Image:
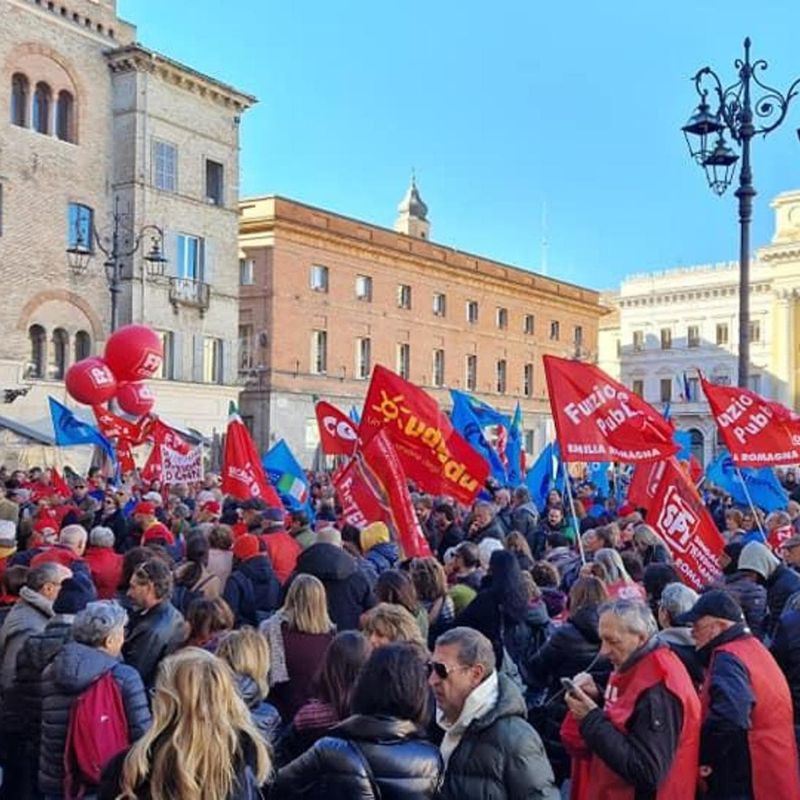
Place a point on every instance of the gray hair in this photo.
(486, 505)
(635, 616)
(612, 561)
(73, 536)
(522, 495)
(100, 536)
(49, 572)
(473, 647)
(677, 599)
(100, 618)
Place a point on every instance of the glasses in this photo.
(442, 671)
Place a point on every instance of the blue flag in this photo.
(514, 450)
(288, 477)
(70, 431)
(540, 477)
(355, 415)
(598, 475)
(762, 484)
(684, 440)
(468, 418)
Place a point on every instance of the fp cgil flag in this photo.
(757, 432)
(432, 454)
(337, 433)
(598, 419)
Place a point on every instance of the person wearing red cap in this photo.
(209, 511)
(144, 514)
(252, 590)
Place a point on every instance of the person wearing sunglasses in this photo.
(483, 716)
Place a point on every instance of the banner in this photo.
(676, 512)
(113, 426)
(177, 467)
(337, 433)
(163, 436)
(762, 485)
(468, 417)
(598, 419)
(756, 431)
(432, 454)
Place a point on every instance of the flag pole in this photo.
(568, 487)
(750, 503)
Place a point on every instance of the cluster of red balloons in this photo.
(133, 353)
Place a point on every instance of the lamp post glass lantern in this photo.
(736, 113)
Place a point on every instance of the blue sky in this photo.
(501, 109)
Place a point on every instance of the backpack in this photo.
(182, 595)
(97, 731)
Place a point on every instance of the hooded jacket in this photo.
(780, 581)
(29, 615)
(252, 590)
(72, 671)
(383, 556)
(348, 590)
(752, 597)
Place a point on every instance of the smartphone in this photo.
(569, 685)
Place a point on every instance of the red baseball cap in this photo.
(144, 507)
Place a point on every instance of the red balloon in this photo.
(135, 398)
(134, 352)
(90, 381)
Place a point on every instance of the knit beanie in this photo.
(246, 546)
(74, 594)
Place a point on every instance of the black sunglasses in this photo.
(442, 671)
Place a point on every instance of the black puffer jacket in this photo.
(72, 671)
(752, 597)
(152, 635)
(500, 756)
(781, 585)
(252, 591)
(349, 593)
(403, 765)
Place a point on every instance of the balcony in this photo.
(189, 292)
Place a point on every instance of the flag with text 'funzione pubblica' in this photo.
(757, 432)
(599, 419)
(431, 452)
(338, 434)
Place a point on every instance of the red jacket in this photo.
(57, 553)
(283, 551)
(106, 568)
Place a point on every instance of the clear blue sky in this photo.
(500, 108)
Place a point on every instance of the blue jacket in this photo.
(252, 591)
(383, 556)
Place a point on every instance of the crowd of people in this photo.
(171, 642)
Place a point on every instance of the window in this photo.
(403, 296)
(754, 383)
(65, 117)
(666, 339)
(364, 288)
(245, 347)
(363, 357)
(60, 351)
(638, 387)
(319, 352)
(472, 311)
(722, 333)
(721, 379)
(471, 373)
(246, 271)
(693, 386)
(501, 376)
(638, 341)
(577, 336)
(555, 331)
(530, 442)
(404, 360)
(212, 360)
(502, 318)
(38, 340)
(666, 390)
(83, 345)
(527, 380)
(754, 331)
(439, 304)
(693, 336)
(214, 183)
(167, 370)
(319, 278)
(20, 89)
(528, 325)
(189, 262)
(438, 367)
(165, 166)
(80, 227)
(41, 108)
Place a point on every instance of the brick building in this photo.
(91, 121)
(325, 297)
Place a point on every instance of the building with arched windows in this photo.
(92, 122)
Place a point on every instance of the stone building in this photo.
(325, 297)
(92, 123)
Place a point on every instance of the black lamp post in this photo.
(116, 248)
(737, 114)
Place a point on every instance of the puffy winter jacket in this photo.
(152, 635)
(781, 585)
(72, 671)
(252, 591)
(264, 714)
(401, 763)
(29, 615)
(786, 650)
(383, 556)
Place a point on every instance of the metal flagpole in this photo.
(575, 524)
(750, 502)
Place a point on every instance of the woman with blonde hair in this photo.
(618, 581)
(298, 635)
(388, 622)
(202, 742)
(650, 546)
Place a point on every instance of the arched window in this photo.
(38, 339)
(41, 108)
(20, 90)
(83, 345)
(65, 113)
(60, 351)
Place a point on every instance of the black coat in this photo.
(119, 524)
(402, 764)
(151, 636)
(69, 675)
(452, 537)
(752, 597)
(500, 756)
(349, 592)
(252, 591)
(525, 519)
(786, 651)
(781, 585)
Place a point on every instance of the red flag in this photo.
(125, 456)
(361, 503)
(242, 474)
(598, 419)
(676, 512)
(337, 433)
(165, 436)
(756, 431)
(113, 426)
(58, 484)
(432, 454)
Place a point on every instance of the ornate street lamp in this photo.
(742, 118)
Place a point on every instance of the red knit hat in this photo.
(246, 546)
(158, 531)
(144, 507)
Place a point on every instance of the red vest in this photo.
(660, 666)
(771, 741)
